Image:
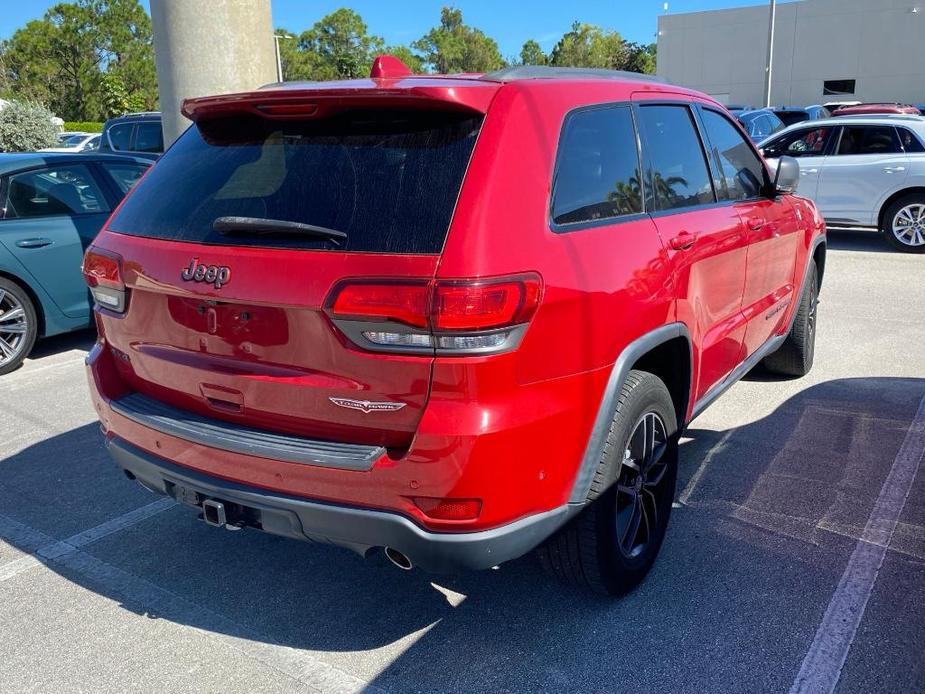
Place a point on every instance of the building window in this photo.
(837, 87)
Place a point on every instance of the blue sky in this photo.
(509, 23)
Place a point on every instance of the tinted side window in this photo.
(909, 141)
(741, 173)
(149, 138)
(123, 175)
(802, 143)
(868, 139)
(597, 171)
(119, 136)
(679, 171)
(68, 190)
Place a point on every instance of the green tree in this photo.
(126, 40)
(532, 54)
(339, 47)
(639, 58)
(59, 60)
(455, 47)
(587, 45)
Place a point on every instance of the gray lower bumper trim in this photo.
(355, 528)
(216, 433)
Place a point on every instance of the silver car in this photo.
(862, 172)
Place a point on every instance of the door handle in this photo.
(803, 172)
(683, 241)
(38, 242)
(893, 169)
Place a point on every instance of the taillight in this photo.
(103, 274)
(477, 316)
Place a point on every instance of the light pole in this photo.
(767, 76)
(279, 60)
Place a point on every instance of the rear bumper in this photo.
(354, 528)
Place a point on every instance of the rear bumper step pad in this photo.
(227, 436)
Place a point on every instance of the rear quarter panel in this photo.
(603, 287)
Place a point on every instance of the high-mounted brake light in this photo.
(103, 273)
(467, 316)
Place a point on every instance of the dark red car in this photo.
(455, 317)
(873, 109)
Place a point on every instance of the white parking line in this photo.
(55, 549)
(826, 657)
(148, 598)
(707, 459)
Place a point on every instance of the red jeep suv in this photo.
(451, 317)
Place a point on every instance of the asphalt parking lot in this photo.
(795, 559)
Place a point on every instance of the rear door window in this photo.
(679, 174)
(120, 136)
(868, 139)
(149, 138)
(388, 179)
(909, 141)
(61, 190)
(597, 167)
(739, 173)
(123, 176)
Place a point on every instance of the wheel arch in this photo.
(33, 297)
(819, 258)
(665, 352)
(893, 198)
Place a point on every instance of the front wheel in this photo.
(904, 223)
(18, 326)
(612, 544)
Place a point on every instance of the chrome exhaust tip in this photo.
(399, 559)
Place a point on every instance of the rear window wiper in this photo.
(259, 225)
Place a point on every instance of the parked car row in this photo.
(862, 172)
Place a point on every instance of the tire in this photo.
(795, 356)
(903, 224)
(18, 325)
(591, 551)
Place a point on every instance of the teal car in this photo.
(51, 207)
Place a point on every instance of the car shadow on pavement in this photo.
(80, 340)
(771, 512)
(860, 240)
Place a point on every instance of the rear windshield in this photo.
(388, 179)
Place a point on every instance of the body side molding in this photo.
(767, 348)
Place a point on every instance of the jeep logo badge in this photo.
(216, 275)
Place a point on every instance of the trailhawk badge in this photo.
(367, 406)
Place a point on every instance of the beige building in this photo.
(824, 50)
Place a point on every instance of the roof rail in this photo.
(140, 113)
(534, 72)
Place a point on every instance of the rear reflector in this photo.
(449, 509)
(103, 273)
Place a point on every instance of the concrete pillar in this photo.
(209, 47)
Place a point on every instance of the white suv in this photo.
(862, 171)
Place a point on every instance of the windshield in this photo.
(388, 179)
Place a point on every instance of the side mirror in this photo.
(787, 176)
